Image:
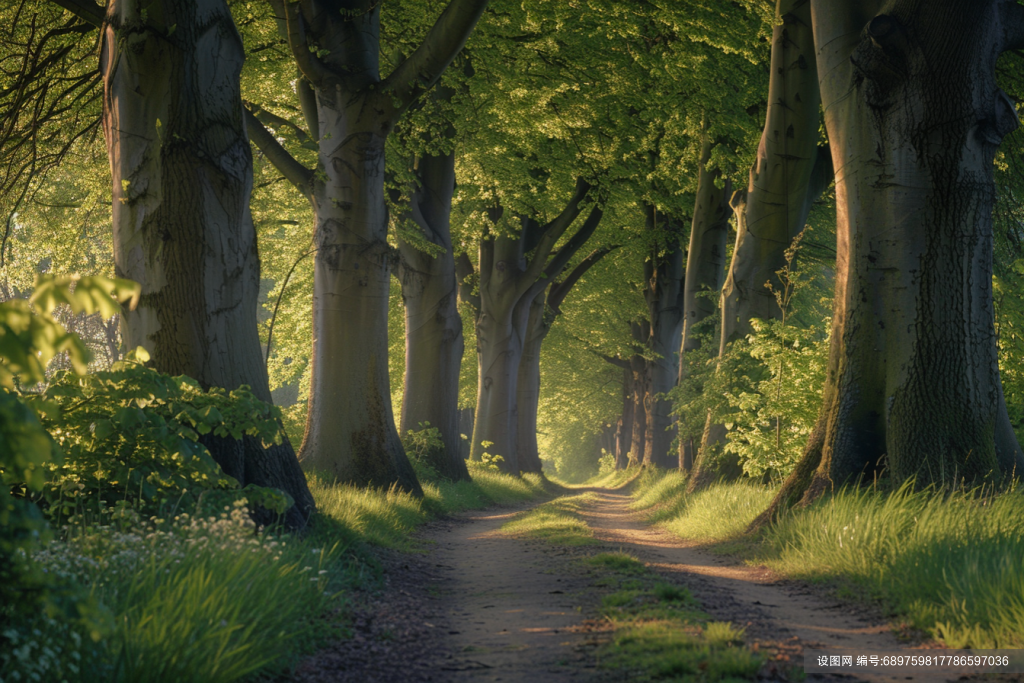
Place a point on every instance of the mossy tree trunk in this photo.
(182, 177)
(914, 118)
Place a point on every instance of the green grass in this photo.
(557, 521)
(387, 518)
(720, 512)
(660, 633)
(953, 564)
(950, 564)
(211, 600)
(616, 478)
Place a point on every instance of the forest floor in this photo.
(479, 603)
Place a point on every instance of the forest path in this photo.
(772, 610)
(481, 605)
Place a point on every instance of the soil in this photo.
(479, 605)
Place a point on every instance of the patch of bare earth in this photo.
(480, 605)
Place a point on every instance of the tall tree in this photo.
(775, 204)
(350, 428)
(705, 268)
(914, 118)
(182, 176)
(664, 275)
(544, 308)
(433, 328)
(515, 267)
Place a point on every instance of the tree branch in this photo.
(422, 69)
(269, 118)
(299, 176)
(558, 262)
(560, 290)
(550, 233)
(86, 10)
(309, 64)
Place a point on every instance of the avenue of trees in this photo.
(751, 238)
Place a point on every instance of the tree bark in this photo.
(528, 389)
(664, 276)
(350, 428)
(914, 118)
(641, 384)
(514, 272)
(182, 177)
(433, 326)
(774, 207)
(705, 269)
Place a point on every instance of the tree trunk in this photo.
(500, 338)
(624, 436)
(638, 367)
(182, 177)
(774, 207)
(350, 428)
(515, 271)
(433, 326)
(705, 269)
(914, 117)
(528, 389)
(664, 293)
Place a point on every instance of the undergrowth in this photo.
(949, 563)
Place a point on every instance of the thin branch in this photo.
(463, 272)
(273, 318)
(422, 69)
(569, 249)
(299, 176)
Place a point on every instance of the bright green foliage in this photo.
(29, 338)
(790, 395)
(420, 444)
(130, 436)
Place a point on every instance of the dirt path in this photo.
(480, 605)
(771, 610)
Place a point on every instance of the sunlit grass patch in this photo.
(668, 650)
(951, 562)
(557, 521)
(720, 512)
(194, 599)
(616, 478)
(617, 561)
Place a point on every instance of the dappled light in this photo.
(455, 341)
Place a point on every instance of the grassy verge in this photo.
(719, 513)
(948, 563)
(214, 600)
(658, 631)
(557, 521)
